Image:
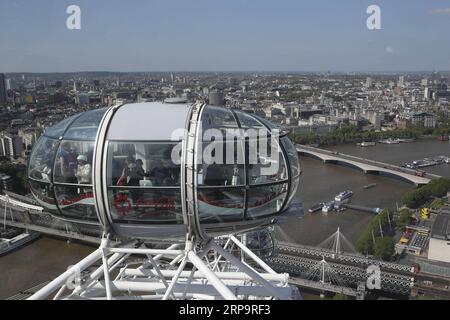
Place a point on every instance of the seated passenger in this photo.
(130, 174)
(84, 170)
(68, 162)
(46, 172)
(140, 168)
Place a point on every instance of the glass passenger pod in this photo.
(60, 167)
(143, 171)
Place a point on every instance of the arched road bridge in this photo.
(366, 165)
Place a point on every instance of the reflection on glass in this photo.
(74, 162)
(142, 164)
(292, 156)
(266, 162)
(44, 194)
(248, 122)
(76, 202)
(146, 205)
(220, 205)
(42, 158)
(58, 130)
(85, 127)
(294, 187)
(267, 123)
(222, 164)
(266, 200)
(218, 118)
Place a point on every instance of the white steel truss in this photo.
(223, 268)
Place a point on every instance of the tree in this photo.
(418, 197)
(404, 218)
(365, 242)
(340, 296)
(436, 204)
(384, 248)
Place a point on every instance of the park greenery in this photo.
(403, 219)
(384, 248)
(418, 197)
(436, 204)
(373, 241)
(353, 134)
(340, 296)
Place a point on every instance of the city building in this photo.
(3, 95)
(10, 145)
(216, 98)
(424, 119)
(439, 247)
(5, 182)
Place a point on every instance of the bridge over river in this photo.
(366, 165)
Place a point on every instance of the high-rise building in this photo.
(427, 93)
(2, 88)
(216, 98)
(10, 145)
(8, 84)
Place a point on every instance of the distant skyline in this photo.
(224, 35)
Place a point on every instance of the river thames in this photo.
(46, 257)
(321, 182)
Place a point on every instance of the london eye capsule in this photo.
(159, 171)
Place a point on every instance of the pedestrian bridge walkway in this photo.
(366, 165)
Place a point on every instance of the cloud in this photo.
(445, 11)
(389, 50)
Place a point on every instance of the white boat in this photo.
(343, 195)
(328, 207)
(367, 144)
(390, 141)
(8, 245)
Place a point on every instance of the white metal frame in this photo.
(223, 268)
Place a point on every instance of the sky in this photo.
(224, 35)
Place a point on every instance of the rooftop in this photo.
(441, 227)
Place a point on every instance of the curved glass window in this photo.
(218, 118)
(76, 202)
(222, 163)
(266, 200)
(143, 181)
(58, 129)
(43, 192)
(41, 161)
(248, 122)
(64, 168)
(73, 163)
(242, 172)
(294, 187)
(220, 204)
(266, 161)
(292, 156)
(142, 205)
(267, 123)
(294, 164)
(85, 126)
(140, 164)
